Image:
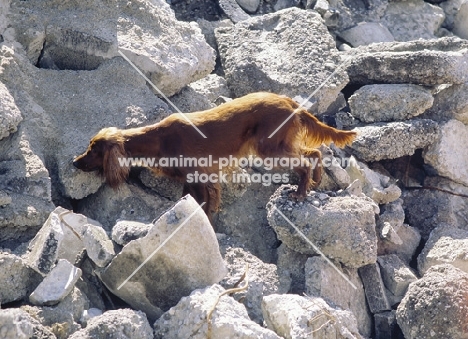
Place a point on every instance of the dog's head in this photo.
(103, 154)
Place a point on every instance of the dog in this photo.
(237, 128)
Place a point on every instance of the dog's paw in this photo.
(297, 196)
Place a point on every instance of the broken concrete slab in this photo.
(58, 283)
(179, 254)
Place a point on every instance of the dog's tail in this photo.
(316, 132)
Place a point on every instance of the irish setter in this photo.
(238, 128)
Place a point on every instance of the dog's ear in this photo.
(115, 171)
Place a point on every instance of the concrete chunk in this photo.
(395, 274)
(374, 288)
(57, 285)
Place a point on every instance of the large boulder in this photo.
(179, 254)
(436, 305)
(343, 227)
(394, 139)
(424, 62)
(188, 319)
(289, 52)
(80, 35)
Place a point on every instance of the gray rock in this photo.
(131, 203)
(125, 231)
(395, 274)
(389, 102)
(374, 288)
(233, 11)
(386, 325)
(413, 19)
(366, 33)
(250, 6)
(4, 7)
(59, 282)
(450, 102)
(189, 259)
(435, 205)
(376, 186)
(99, 247)
(89, 314)
(460, 26)
(443, 155)
(263, 280)
(435, 305)
(296, 317)
(18, 280)
(71, 42)
(423, 62)
(123, 323)
(188, 319)
(446, 245)
(410, 238)
(255, 57)
(323, 281)
(394, 139)
(11, 115)
(18, 324)
(59, 238)
(347, 237)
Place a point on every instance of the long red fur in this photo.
(237, 128)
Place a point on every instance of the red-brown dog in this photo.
(238, 128)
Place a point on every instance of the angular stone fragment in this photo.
(56, 285)
(179, 254)
(374, 288)
(395, 274)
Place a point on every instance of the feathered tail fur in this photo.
(317, 132)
